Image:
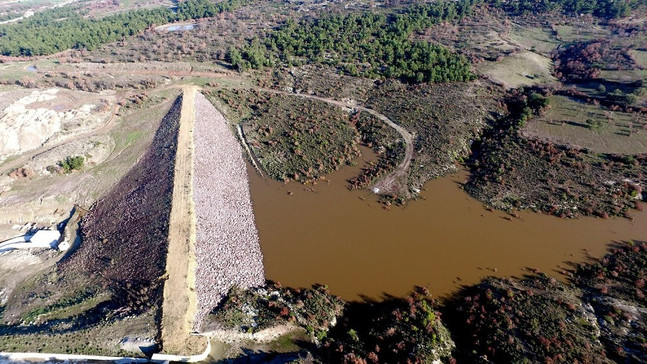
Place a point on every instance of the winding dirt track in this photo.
(180, 302)
(388, 184)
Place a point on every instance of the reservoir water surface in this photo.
(326, 234)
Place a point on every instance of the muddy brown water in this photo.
(330, 235)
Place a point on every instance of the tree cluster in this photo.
(607, 9)
(583, 61)
(63, 28)
(369, 45)
(72, 163)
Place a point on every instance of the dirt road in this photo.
(179, 306)
(388, 184)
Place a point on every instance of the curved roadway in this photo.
(387, 184)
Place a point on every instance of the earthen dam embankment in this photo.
(227, 246)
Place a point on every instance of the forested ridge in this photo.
(370, 45)
(601, 8)
(63, 28)
(378, 39)
(376, 44)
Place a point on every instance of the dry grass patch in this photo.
(101, 339)
(641, 57)
(624, 75)
(579, 32)
(592, 127)
(539, 39)
(520, 69)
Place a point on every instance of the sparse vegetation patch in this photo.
(510, 171)
(70, 163)
(256, 309)
(293, 138)
(63, 28)
(445, 119)
(533, 320)
(615, 287)
(396, 330)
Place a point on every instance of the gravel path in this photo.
(228, 251)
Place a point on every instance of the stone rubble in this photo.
(227, 246)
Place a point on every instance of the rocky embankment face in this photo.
(227, 247)
(125, 233)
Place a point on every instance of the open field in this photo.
(536, 38)
(568, 121)
(520, 69)
(641, 57)
(579, 32)
(624, 76)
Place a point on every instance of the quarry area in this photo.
(47, 117)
